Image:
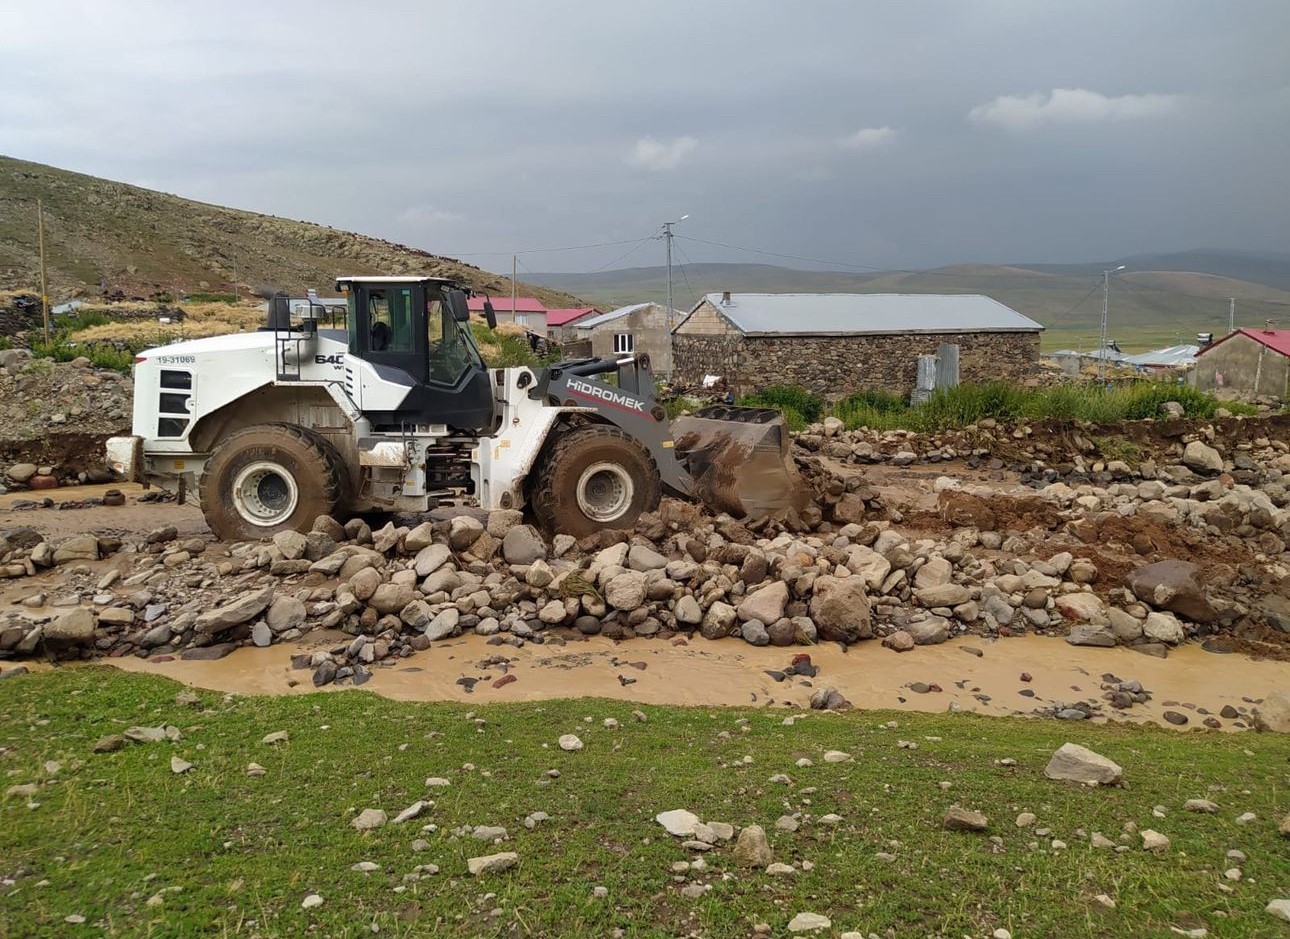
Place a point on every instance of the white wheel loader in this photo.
(397, 413)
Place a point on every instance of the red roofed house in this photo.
(560, 323)
(1247, 362)
(529, 312)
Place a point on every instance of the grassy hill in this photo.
(1156, 302)
(101, 234)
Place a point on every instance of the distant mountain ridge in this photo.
(104, 234)
(1158, 300)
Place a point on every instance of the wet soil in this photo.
(725, 672)
(71, 515)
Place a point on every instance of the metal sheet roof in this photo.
(1170, 357)
(847, 313)
(616, 314)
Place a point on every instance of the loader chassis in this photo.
(268, 430)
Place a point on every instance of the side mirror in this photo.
(457, 305)
(490, 315)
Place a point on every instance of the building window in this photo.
(624, 344)
(521, 319)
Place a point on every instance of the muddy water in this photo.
(55, 523)
(731, 673)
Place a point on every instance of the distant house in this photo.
(529, 312)
(560, 323)
(1247, 362)
(1170, 357)
(641, 327)
(837, 344)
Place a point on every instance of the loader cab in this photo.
(415, 333)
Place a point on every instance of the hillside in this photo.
(1150, 306)
(101, 234)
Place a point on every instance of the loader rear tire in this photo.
(594, 477)
(270, 478)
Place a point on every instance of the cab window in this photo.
(450, 354)
(389, 319)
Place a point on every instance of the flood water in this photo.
(727, 672)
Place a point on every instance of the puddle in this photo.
(727, 672)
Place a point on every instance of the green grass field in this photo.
(121, 840)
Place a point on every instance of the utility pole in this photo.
(1106, 297)
(1231, 314)
(667, 239)
(44, 281)
(513, 263)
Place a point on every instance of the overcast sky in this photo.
(903, 134)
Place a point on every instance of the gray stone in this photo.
(718, 622)
(766, 605)
(1175, 586)
(1273, 715)
(1163, 627)
(943, 595)
(688, 611)
(1081, 608)
(392, 598)
(1079, 764)
(244, 608)
(418, 538)
(522, 545)
(1125, 628)
(443, 625)
(369, 819)
(464, 531)
(755, 633)
(492, 863)
(74, 626)
(935, 573)
(839, 608)
(1091, 634)
(1202, 458)
(678, 822)
(430, 558)
(21, 472)
(752, 849)
(960, 819)
(626, 591)
(80, 548)
(285, 612)
(292, 544)
(641, 558)
(929, 632)
(261, 634)
(811, 922)
(868, 565)
(364, 582)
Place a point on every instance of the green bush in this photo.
(806, 407)
(229, 298)
(75, 322)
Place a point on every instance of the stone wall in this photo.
(648, 327)
(836, 366)
(1245, 367)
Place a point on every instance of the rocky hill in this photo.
(103, 236)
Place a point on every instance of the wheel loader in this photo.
(398, 412)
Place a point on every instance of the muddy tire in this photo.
(593, 477)
(270, 478)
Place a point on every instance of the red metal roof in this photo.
(502, 304)
(564, 317)
(1278, 340)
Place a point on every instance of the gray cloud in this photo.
(835, 130)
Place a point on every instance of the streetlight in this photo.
(667, 237)
(1106, 296)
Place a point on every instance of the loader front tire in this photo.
(270, 478)
(594, 477)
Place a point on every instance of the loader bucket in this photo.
(739, 461)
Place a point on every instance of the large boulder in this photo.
(766, 604)
(942, 595)
(392, 598)
(718, 622)
(840, 609)
(625, 591)
(929, 632)
(285, 613)
(1074, 763)
(74, 626)
(1082, 608)
(1202, 458)
(869, 565)
(80, 548)
(1091, 634)
(1272, 715)
(430, 558)
(1175, 586)
(244, 608)
(522, 545)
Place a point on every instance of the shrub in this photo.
(806, 407)
(229, 298)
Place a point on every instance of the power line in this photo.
(798, 257)
(684, 276)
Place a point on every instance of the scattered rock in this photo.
(1074, 763)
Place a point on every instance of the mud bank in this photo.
(1191, 681)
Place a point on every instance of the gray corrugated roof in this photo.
(1170, 356)
(843, 313)
(615, 314)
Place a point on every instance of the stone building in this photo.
(1246, 363)
(837, 344)
(641, 327)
